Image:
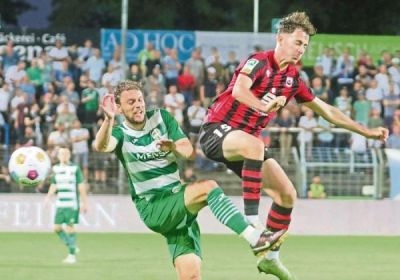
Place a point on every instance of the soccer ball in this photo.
(29, 166)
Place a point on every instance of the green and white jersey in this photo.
(66, 179)
(147, 167)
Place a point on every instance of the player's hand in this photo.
(166, 145)
(275, 104)
(109, 107)
(379, 133)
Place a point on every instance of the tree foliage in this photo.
(11, 9)
(329, 16)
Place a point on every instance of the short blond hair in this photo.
(123, 86)
(297, 20)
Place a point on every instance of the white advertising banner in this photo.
(112, 213)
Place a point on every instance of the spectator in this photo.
(186, 85)
(345, 68)
(285, 121)
(196, 67)
(145, 55)
(134, 74)
(196, 114)
(155, 82)
(375, 121)
(208, 90)
(86, 51)
(317, 189)
(172, 66)
(80, 147)
(361, 109)
(9, 57)
(56, 139)
(375, 96)
(230, 66)
(394, 138)
(307, 123)
(152, 61)
(59, 54)
(90, 101)
(95, 66)
(390, 102)
(327, 61)
(175, 103)
(154, 100)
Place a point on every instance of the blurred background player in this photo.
(148, 144)
(260, 86)
(67, 184)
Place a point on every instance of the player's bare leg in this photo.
(239, 145)
(188, 267)
(278, 186)
(208, 193)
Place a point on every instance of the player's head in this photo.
(293, 36)
(130, 101)
(63, 155)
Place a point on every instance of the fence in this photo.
(343, 171)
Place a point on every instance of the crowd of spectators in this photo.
(53, 100)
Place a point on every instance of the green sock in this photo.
(63, 236)
(72, 243)
(225, 211)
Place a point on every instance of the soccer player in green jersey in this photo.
(67, 183)
(148, 144)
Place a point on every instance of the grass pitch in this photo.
(37, 256)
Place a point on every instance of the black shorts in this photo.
(212, 136)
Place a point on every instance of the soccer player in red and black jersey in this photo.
(261, 85)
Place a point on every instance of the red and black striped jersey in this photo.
(267, 79)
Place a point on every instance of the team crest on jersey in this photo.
(268, 73)
(289, 82)
(156, 134)
(249, 66)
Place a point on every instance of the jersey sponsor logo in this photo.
(249, 66)
(150, 155)
(289, 82)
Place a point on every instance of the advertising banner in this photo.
(373, 45)
(29, 43)
(136, 40)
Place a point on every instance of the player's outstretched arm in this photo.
(104, 142)
(335, 116)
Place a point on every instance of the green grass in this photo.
(37, 256)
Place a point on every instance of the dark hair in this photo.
(123, 86)
(297, 20)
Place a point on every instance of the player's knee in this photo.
(288, 197)
(209, 185)
(189, 275)
(254, 149)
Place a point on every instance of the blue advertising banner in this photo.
(393, 156)
(136, 40)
